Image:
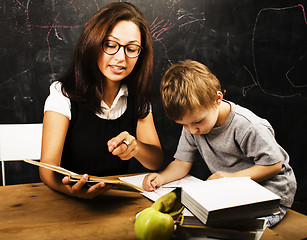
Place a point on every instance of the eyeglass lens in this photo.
(112, 47)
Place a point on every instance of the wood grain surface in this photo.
(36, 212)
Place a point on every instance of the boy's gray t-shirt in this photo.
(241, 142)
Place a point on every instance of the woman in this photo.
(94, 111)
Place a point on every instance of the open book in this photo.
(229, 199)
(74, 177)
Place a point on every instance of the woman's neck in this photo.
(110, 90)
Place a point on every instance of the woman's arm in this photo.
(146, 147)
(258, 173)
(149, 153)
(55, 126)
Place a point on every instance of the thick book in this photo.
(229, 199)
(247, 229)
(74, 177)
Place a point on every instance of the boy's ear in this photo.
(219, 97)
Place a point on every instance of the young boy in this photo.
(232, 140)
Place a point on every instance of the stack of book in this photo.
(228, 208)
(247, 229)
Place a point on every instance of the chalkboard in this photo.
(257, 48)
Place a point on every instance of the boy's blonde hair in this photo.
(187, 86)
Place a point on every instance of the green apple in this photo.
(152, 224)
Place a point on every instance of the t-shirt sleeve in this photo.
(186, 149)
(259, 144)
(57, 102)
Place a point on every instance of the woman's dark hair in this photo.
(83, 81)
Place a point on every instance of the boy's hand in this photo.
(220, 174)
(152, 181)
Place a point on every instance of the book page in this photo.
(238, 191)
(137, 180)
(184, 182)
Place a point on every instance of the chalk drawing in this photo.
(157, 28)
(255, 78)
(190, 17)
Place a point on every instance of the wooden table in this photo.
(34, 211)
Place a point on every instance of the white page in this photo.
(137, 180)
(184, 182)
(228, 192)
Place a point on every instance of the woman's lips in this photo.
(117, 69)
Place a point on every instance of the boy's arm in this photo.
(258, 173)
(177, 169)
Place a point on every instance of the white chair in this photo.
(19, 141)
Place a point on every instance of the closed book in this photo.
(229, 199)
(247, 229)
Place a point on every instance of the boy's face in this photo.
(200, 121)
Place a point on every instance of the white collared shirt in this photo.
(59, 103)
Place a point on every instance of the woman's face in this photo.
(118, 66)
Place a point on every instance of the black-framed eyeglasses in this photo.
(112, 47)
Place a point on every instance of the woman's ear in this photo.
(219, 97)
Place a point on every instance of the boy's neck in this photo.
(224, 111)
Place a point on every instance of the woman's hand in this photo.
(82, 191)
(123, 145)
(144, 147)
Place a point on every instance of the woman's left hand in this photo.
(80, 189)
(123, 145)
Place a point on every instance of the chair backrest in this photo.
(19, 141)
